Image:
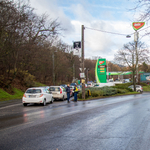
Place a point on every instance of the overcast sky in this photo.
(106, 15)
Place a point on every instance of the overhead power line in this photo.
(114, 32)
(108, 32)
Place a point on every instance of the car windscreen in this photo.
(33, 91)
(54, 88)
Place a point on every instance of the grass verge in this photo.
(146, 88)
(99, 97)
(4, 96)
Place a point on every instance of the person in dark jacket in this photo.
(68, 93)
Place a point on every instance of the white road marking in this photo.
(10, 106)
(17, 125)
(68, 113)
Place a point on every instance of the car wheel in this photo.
(44, 102)
(63, 98)
(24, 104)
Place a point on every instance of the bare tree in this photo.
(22, 34)
(143, 7)
(129, 57)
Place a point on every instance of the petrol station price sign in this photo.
(100, 71)
(138, 25)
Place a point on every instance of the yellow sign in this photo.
(102, 68)
(82, 81)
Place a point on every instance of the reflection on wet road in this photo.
(17, 114)
(115, 123)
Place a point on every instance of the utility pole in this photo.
(53, 69)
(136, 41)
(87, 77)
(73, 72)
(82, 58)
(136, 26)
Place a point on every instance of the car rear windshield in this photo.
(33, 91)
(54, 88)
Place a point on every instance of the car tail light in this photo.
(41, 95)
(60, 91)
(24, 95)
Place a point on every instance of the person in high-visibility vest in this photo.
(75, 93)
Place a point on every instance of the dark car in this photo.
(73, 84)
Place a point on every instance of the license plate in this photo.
(32, 96)
(54, 93)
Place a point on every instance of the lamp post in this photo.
(136, 52)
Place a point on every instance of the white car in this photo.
(40, 95)
(138, 88)
(110, 80)
(58, 92)
(89, 84)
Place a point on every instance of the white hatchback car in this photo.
(58, 92)
(138, 88)
(40, 95)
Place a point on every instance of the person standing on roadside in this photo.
(75, 93)
(68, 93)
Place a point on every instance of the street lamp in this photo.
(128, 36)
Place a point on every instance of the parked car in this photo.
(73, 84)
(138, 88)
(64, 85)
(126, 81)
(96, 85)
(110, 80)
(89, 84)
(40, 95)
(58, 92)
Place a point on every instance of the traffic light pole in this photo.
(82, 58)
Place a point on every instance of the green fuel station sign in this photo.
(100, 71)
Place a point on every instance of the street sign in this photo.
(137, 25)
(77, 45)
(82, 75)
(82, 81)
(77, 48)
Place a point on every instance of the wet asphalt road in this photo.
(116, 123)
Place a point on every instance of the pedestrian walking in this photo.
(75, 93)
(68, 93)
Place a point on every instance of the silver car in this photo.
(138, 88)
(58, 92)
(40, 95)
